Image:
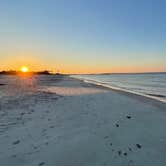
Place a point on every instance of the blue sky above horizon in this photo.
(83, 35)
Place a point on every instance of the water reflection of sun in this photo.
(24, 69)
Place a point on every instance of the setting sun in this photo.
(24, 69)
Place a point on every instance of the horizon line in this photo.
(103, 73)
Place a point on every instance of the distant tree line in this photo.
(12, 72)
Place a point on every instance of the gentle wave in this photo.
(144, 88)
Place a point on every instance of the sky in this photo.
(83, 36)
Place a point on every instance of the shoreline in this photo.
(142, 97)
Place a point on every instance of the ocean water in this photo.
(152, 85)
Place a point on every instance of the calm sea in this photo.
(152, 85)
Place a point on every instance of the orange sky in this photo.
(83, 37)
(76, 67)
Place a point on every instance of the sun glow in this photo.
(24, 69)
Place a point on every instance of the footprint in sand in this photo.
(138, 146)
(119, 152)
(16, 142)
(117, 125)
(130, 149)
(41, 164)
(128, 117)
(125, 153)
(106, 137)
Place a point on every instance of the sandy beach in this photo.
(61, 121)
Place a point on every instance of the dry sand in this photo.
(66, 122)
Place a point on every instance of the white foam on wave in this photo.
(93, 81)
